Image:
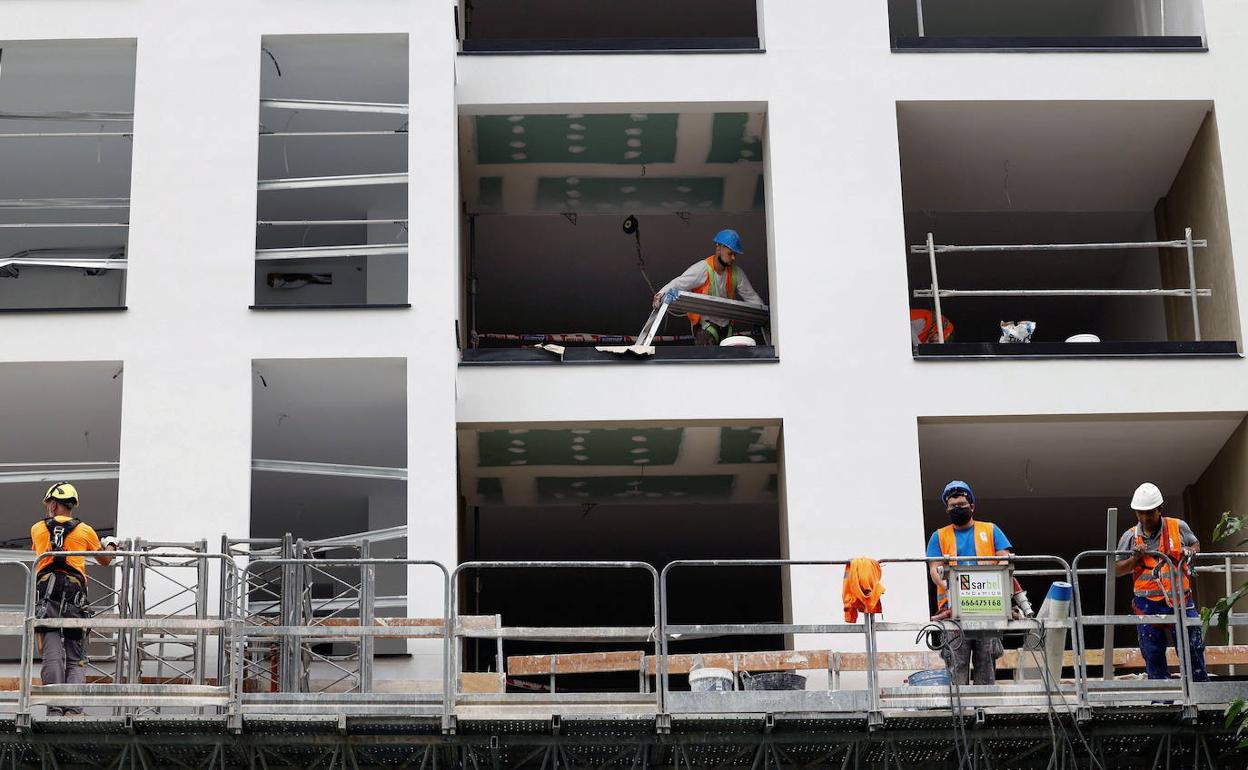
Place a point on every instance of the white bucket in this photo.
(738, 341)
(1084, 338)
(710, 680)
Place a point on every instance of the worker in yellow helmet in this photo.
(62, 587)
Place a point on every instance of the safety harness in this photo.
(60, 584)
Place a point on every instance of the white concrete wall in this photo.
(846, 388)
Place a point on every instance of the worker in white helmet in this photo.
(1157, 583)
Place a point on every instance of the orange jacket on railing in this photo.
(862, 589)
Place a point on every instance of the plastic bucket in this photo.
(930, 678)
(1083, 338)
(738, 341)
(710, 680)
(782, 680)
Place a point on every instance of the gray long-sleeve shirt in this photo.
(1152, 542)
(695, 276)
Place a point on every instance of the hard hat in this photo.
(63, 492)
(1147, 497)
(956, 487)
(729, 238)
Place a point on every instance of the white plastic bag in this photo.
(1017, 332)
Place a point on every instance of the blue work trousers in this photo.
(1155, 638)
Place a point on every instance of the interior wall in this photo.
(1197, 199)
(50, 287)
(542, 274)
(348, 282)
(1222, 487)
(1033, 18)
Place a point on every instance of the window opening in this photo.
(1038, 222)
(66, 123)
(951, 25)
(640, 25)
(594, 215)
(332, 190)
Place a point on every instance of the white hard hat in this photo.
(1147, 497)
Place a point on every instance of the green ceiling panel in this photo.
(634, 489)
(729, 143)
(589, 194)
(600, 446)
(490, 193)
(620, 139)
(490, 490)
(738, 446)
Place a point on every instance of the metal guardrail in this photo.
(238, 625)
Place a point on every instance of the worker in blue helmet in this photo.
(965, 536)
(718, 276)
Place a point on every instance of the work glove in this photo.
(110, 542)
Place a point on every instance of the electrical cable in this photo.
(951, 643)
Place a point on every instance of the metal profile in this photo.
(71, 116)
(290, 134)
(81, 264)
(315, 182)
(330, 469)
(1026, 247)
(59, 225)
(325, 222)
(23, 473)
(70, 135)
(1063, 293)
(65, 203)
(324, 252)
(327, 105)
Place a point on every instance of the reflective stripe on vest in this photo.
(1170, 543)
(985, 545)
(730, 285)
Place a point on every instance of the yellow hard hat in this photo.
(63, 492)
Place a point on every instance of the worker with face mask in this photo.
(717, 276)
(964, 536)
(61, 587)
(1155, 580)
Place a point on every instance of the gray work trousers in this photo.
(976, 650)
(64, 657)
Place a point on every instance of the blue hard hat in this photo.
(956, 486)
(729, 238)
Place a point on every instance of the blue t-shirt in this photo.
(965, 538)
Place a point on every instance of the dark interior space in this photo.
(1040, 24)
(561, 25)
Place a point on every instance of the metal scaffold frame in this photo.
(931, 249)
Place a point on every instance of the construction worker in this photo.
(964, 536)
(61, 590)
(718, 276)
(1154, 579)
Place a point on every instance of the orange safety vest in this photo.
(1152, 575)
(730, 283)
(985, 545)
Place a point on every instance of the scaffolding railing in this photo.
(264, 632)
(936, 293)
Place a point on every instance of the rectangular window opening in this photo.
(576, 220)
(332, 203)
(66, 140)
(1078, 213)
(549, 26)
(1047, 25)
(62, 424)
(329, 463)
(1059, 502)
(649, 492)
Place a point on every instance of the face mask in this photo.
(960, 516)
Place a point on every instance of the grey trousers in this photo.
(976, 651)
(64, 658)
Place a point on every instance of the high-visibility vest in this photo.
(985, 545)
(708, 287)
(1153, 576)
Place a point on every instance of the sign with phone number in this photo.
(981, 593)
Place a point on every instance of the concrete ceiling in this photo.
(1043, 156)
(347, 410)
(619, 464)
(1076, 457)
(649, 161)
